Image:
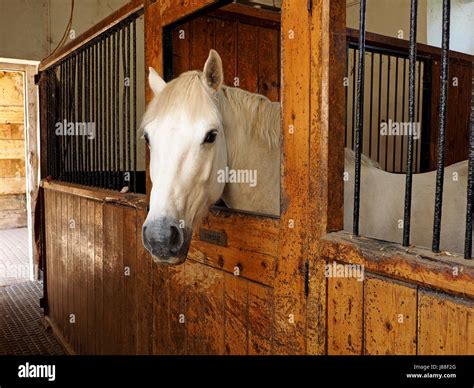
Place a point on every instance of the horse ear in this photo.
(213, 72)
(157, 83)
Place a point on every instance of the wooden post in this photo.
(313, 63)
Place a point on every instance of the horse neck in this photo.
(250, 121)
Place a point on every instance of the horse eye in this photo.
(210, 137)
(147, 139)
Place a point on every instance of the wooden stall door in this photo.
(220, 301)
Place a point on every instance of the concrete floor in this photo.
(22, 331)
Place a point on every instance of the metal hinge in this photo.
(306, 279)
(37, 78)
(310, 6)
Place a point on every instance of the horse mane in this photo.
(262, 114)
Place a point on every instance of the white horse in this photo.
(200, 131)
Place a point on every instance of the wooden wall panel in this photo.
(389, 317)
(130, 280)
(177, 313)
(99, 325)
(236, 317)
(345, 316)
(144, 288)
(446, 325)
(204, 309)
(250, 53)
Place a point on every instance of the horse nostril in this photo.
(176, 238)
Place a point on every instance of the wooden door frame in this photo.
(313, 47)
(29, 70)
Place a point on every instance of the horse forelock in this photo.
(186, 94)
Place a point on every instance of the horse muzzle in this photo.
(167, 242)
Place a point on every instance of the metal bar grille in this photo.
(359, 117)
(443, 114)
(97, 107)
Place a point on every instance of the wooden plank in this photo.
(109, 266)
(57, 256)
(269, 63)
(345, 316)
(226, 46)
(236, 318)
(75, 290)
(12, 131)
(12, 114)
(161, 309)
(12, 186)
(177, 314)
(328, 56)
(250, 15)
(181, 49)
(12, 168)
(48, 222)
(70, 272)
(445, 325)
(452, 274)
(290, 320)
(202, 40)
(204, 310)
(173, 11)
(126, 199)
(260, 315)
(390, 317)
(90, 278)
(247, 60)
(99, 277)
(64, 321)
(130, 280)
(82, 275)
(144, 288)
(12, 149)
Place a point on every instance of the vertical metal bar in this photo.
(129, 131)
(387, 113)
(88, 112)
(354, 86)
(134, 106)
(108, 155)
(371, 101)
(418, 110)
(348, 49)
(80, 118)
(74, 114)
(411, 118)
(470, 187)
(359, 116)
(101, 110)
(403, 109)
(395, 117)
(123, 153)
(94, 114)
(61, 118)
(443, 112)
(379, 107)
(117, 111)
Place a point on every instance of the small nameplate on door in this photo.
(213, 237)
